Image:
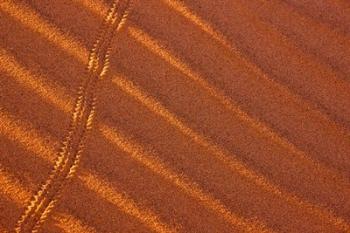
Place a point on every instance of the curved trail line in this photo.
(68, 158)
(103, 189)
(186, 185)
(18, 194)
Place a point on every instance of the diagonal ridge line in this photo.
(150, 160)
(277, 33)
(125, 203)
(32, 20)
(324, 25)
(11, 187)
(232, 49)
(104, 189)
(200, 195)
(228, 159)
(254, 122)
(68, 158)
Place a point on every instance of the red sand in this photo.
(213, 116)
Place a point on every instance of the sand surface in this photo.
(213, 116)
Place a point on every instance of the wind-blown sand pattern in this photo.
(174, 116)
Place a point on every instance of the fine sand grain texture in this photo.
(175, 116)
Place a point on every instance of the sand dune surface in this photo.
(175, 116)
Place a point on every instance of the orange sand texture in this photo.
(175, 116)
